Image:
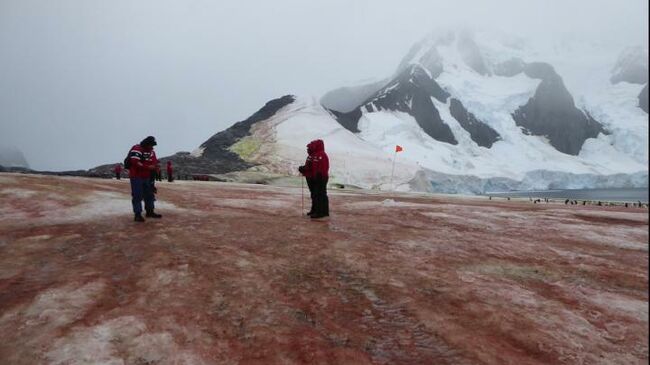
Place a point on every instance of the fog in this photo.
(81, 81)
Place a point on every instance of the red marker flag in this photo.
(398, 148)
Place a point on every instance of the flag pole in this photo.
(392, 172)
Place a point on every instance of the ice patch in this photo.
(253, 203)
(60, 306)
(122, 340)
(18, 193)
(633, 307)
(387, 203)
(101, 204)
(166, 277)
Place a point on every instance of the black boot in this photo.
(151, 214)
(138, 218)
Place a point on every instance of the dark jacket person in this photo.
(143, 163)
(170, 172)
(316, 171)
(118, 171)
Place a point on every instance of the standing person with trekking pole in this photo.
(316, 172)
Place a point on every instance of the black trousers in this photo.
(320, 201)
(310, 185)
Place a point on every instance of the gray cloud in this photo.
(83, 80)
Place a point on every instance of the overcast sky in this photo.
(81, 81)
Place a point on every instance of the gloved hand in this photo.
(301, 169)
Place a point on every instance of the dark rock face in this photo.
(551, 112)
(216, 158)
(216, 147)
(631, 66)
(413, 80)
(480, 132)
(410, 92)
(643, 98)
(350, 120)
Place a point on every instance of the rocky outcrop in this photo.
(216, 147)
(349, 120)
(631, 66)
(215, 156)
(552, 113)
(643, 98)
(410, 92)
(480, 132)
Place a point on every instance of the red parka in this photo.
(141, 160)
(317, 164)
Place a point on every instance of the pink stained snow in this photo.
(233, 274)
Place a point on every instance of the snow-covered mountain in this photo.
(474, 112)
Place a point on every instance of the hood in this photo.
(317, 146)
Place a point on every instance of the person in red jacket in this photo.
(118, 171)
(170, 172)
(316, 168)
(143, 164)
(158, 174)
